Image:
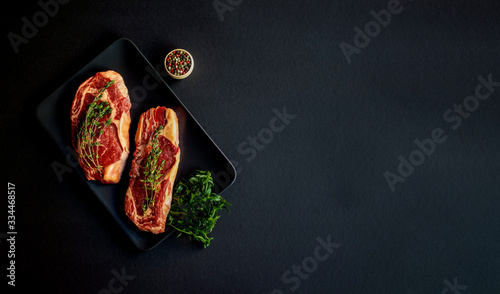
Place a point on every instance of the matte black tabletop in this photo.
(365, 137)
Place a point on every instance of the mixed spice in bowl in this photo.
(179, 63)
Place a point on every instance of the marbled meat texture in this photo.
(111, 152)
(154, 217)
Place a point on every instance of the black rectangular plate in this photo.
(146, 90)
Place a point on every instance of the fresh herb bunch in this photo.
(92, 129)
(194, 209)
(152, 170)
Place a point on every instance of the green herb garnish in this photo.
(194, 209)
(91, 129)
(152, 170)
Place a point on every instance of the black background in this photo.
(322, 176)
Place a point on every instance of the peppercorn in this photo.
(179, 63)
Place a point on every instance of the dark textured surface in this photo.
(318, 177)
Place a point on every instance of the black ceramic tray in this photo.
(146, 90)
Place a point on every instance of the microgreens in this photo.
(194, 209)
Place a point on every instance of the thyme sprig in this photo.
(152, 171)
(92, 129)
(194, 209)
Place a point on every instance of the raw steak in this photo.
(153, 171)
(101, 141)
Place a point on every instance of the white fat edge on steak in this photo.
(111, 172)
(169, 131)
